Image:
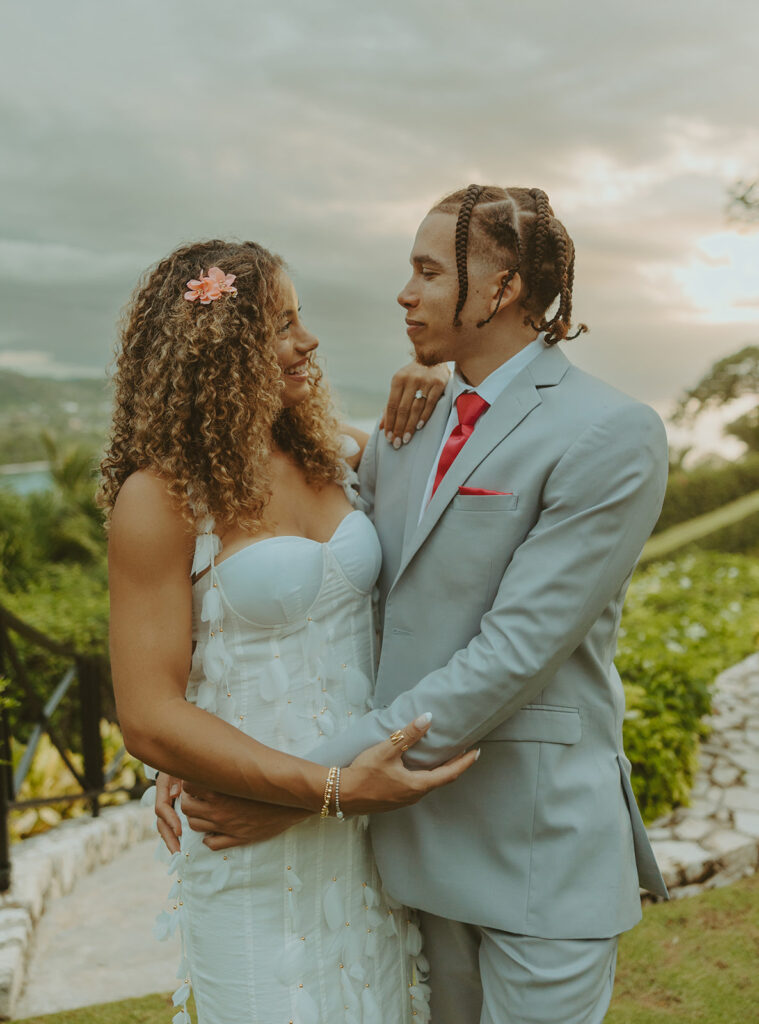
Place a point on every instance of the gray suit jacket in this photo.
(500, 616)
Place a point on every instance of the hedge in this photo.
(685, 621)
(693, 492)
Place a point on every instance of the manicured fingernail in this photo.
(423, 720)
(406, 438)
(420, 424)
(477, 755)
(389, 436)
(397, 443)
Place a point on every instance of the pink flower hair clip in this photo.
(210, 286)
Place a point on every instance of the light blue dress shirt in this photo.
(490, 389)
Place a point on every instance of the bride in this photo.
(241, 573)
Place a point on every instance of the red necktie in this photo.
(470, 406)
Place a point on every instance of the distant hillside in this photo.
(18, 390)
(74, 411)
(78, 411)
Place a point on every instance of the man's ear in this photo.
(506, 289)
(514, 288)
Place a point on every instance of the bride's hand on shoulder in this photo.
(377, 780)
(415, 390)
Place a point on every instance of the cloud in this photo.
(49, 263)
(326, 131)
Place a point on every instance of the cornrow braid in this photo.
(462, 246)
(559, 267)
(553, 327)
(581, 328)
(557, 327)
(540, 236)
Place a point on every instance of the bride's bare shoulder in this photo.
(146, 523)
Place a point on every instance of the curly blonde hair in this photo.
(198, 390)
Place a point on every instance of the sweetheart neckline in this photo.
(290, 536)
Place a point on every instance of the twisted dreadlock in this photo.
(516, 228)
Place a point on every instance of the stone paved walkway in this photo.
(95, 944)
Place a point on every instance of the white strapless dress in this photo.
(295, 930)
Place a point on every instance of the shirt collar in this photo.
(496, 383)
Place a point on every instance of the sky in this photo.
(326, 130)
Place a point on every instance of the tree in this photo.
(729, 378)
(743, 201)
(733, 377)
(65, 521)
(746, 429)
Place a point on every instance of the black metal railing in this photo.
(90, 674)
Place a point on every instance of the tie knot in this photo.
(470, 406)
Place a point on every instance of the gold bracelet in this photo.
(328, 787)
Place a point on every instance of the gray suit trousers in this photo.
(485, 976)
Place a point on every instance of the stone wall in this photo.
(715, 840)
(49, 865)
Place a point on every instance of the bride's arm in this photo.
(149, 564)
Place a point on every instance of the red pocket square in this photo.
(477, 490)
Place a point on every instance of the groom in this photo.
(510, 530)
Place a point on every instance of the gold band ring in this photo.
(397, 736)
(404, 748)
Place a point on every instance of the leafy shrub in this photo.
(741, 538)
(68, 603)
(692, 492)
(685, 621)
(19, 558)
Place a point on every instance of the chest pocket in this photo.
(485, 502)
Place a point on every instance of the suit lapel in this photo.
(426, 442)
(518, 399)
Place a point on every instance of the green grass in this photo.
(148, 1010)
(664, 544)
(692, 961)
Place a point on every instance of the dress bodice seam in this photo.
(261, 625)
(267, 540)
(287, 536)
(278, 626)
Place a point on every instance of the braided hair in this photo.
(517, 227)
(462, 246)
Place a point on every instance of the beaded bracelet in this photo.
(338, 812)
(328, 787)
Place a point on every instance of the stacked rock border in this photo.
(715, 840)
(49, 865)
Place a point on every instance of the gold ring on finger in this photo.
(419, 393)
(404, 747)
(397, 736)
